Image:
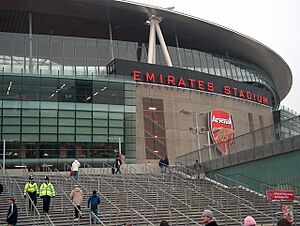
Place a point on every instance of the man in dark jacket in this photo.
(208, 219)
(12, 213)
(93, 202)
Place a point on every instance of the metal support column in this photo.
(152, 41)
(163, 45)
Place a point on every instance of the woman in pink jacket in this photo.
(76, 196)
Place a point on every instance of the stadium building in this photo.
(84, 78)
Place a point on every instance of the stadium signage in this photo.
(221, 129)
(280, 195)
(183, 78)
(171, 80)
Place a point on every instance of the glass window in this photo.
(115, 131)
(116, 115)
(66, 122)
(66, 138)
(48, 138)
(30, 129)
(116, 123)
(83, 138)
(11, 121)
(83, 114)
(30, 121)
(99, 122)
(100, 130)
(210, 64)
(83, 130)
(30, 137)
(216, 66)
(11, 129)
(48, 121)
(11, 112)
(204, 65)
(48, 129)
(66, 129)
(30, 113)
(69, 56)
(100, 138)
(49, 113)
(83, 122)
(66, 114)
(189, 59)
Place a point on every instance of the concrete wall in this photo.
(179, 139)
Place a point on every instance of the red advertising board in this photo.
(221, 129)
(281, 195)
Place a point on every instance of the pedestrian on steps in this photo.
(76, 196)
(31, 188)
(47, 192)
(12, 213)
(93, 203)
(75, 168)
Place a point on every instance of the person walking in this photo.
(118, 165)
(249, 221)
(166, 165)
(75, 168)
(76, 196)
(93, 203)
(31, 188)
(47, 192)
(12, 213)
(208, 219)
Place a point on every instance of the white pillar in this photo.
(3, 162)
(198, 137)
(208, 142)
(152, 41)
(163, 45)
(120, 146)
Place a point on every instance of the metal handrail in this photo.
(49, 219)
(97, 218)
(187, 182)
(219, 188)
(190, 219)
(144, 218)
(144, 200)
(102, 179)
(224, 214)
(172, 196)
(266, 215)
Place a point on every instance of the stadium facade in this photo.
(76, 81)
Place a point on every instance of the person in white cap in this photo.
(208, 219)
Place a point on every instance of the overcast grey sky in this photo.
(275, 23)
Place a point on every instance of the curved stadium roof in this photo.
(89, 18)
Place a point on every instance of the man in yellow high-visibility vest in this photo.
(31, 188)
(47, 192)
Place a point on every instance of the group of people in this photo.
(94, 201)
(45, 192)
(208, 219)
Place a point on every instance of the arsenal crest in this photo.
(221, 129)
